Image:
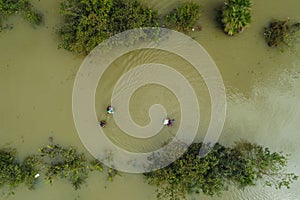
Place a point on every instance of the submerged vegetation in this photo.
(14, 173)
(65, 163)
(242, 165)
(236, 16)
(53, 161)
(10, 169)
(31, 166)
(282, 33)
(89, 22)
(184, 17)
(21, 7)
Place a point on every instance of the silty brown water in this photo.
(262, 87)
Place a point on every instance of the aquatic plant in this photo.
(282, 33)
(236, 16)
(184, 17)
(66, 163)
(89, 22)
(10, 169)
(96, 165)
(53, 161)
(21, 7)
(31, 167)
(112, 173)
(242, 165)
(14, 172)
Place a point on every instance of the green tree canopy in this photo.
(89, 22)
(241, 165)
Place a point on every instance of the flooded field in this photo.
(262, 87)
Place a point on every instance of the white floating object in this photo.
(166, 121)
(37, 175)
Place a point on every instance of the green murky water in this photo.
(263, 91)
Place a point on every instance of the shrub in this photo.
(184, 17)
(236, 16)
(242, 165)
(89, 22)
(14, 173)
(66, 163)
(282, 33)
(31, 167)
(10, 169)
(21, 7)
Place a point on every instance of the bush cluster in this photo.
(282, 33)
(14, 172)
(89, 22)
(241, 165)
(21, 7)
(236, 16)
(53, 161)
(184, 17)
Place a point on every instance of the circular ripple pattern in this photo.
(100, 59)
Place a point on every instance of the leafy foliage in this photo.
(65, 163)
(21, 7)
(282, 33)
(96, 165)
(236, 16)
(14, 173)
(112, 173)
(184, 17)
(31, 167)
(242, 165)
(53, 161)
(10, 169)
(256, 162)
(89, 22)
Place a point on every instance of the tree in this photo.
(89, 22)
(241, 165)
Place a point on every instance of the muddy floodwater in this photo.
(262, 88)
